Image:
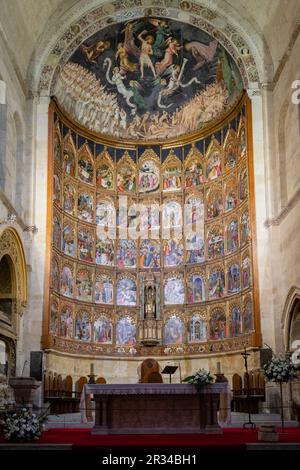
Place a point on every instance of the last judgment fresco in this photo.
(147, 79)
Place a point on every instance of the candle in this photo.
(92, 369)
(218, 367)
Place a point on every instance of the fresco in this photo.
(83, 327)
(104, 177)
(104, 252)
(69, 198)
(148, 177)
(235, 322)
(84, 285)
(85, 207)
(246, 273)
(215, 242)
(231, 155)
(174, 331)
(104, 290)
(102, 330)
(213, 165)
(233, 283)
(66, 323)
(85, 167)
(67, 282)
(68, 240)
(197, 330)
(195, 250)
(230, 195)
(173, 252)
(194, 172)
(214, 206)
(125, 331)
(149, 218)
(232, 236)
(216, 286)
(149, 254)
(126, 175)
(126, 291)
(217, 325)
(195, 289)
(126, 254)
(105, 214)
(85, 245)
(174, 291)
(69, 160)
(150, 78)
(172, 215)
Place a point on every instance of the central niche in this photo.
(151, 245)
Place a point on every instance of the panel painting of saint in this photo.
(102, 330)
(125, 332)
(174, 291)
(195, 289)
(66, 323)
(148, 177)
(126, 254)
(195, 250)
(126, 292)
(83, 327)
(173, 252)
(174, 331)
(85, 207)
(103, 290)
(149, 254)
(104, 253)
(216, 286)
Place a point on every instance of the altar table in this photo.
(155, 408)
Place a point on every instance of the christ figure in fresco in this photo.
(146, 52)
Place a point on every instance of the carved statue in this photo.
(150, 302)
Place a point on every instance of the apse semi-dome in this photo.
(148, 79)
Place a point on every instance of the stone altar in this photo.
(155, 408)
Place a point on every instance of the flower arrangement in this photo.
(280, 369)
(22, 425)
(200, 378)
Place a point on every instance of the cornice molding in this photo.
(275, 221)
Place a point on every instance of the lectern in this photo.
(170, 370)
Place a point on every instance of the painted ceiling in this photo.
(148, 79)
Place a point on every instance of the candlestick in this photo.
(218, 367)
(92, 369)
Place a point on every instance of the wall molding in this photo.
(275, 221)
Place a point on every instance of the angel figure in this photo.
(172, 49)
(92, 52)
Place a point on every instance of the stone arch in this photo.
(290, 310)
(71, 24)
(11, 247)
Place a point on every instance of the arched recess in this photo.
(13, 292)
(290, 321)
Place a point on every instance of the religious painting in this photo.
(214, 205)
(216, 284)
(104, 252)
(194, 169)
(149, 254)
(197, 330)
(148, 175)
(171, 173)
(248, 322)
(172, 219)
(152, 78)
(69, 200)
(173, 252)
(84, 285)
(66, 322)
(217, 324)
(194, 213)
(126, 175)
(104, 293)
(246, 272)
(230, 194)
(83, 326)
(213, 161)
(68, 240)
(174, 290)
(56, 231)
(215, 243)
(243, 184)
(85, 206)
(233, 282)
(126, 254)
(56, 188)
(104, 172)
(242, 136)
(125, 331)
(67, 281)
(195, 250)
(55, 276)
(69, 159)
(126, 291)
(105, 214)
(85, 244)
(195, 289)
(53, 323)
(149, 219)
(103, 330)
(57, 145)
(232, 236)
(231, 151)
(235, 321)
(85, 165)
(174, 330)
(245, 228)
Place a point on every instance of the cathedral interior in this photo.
(149, 188)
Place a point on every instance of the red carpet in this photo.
(230, 438)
